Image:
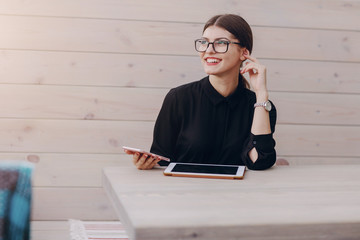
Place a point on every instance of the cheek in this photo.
(234, 60)
(201, 55)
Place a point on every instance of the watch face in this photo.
(268, 106)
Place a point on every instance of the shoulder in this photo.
(189, 87)
(186, 90)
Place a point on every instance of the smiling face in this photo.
(221, 64)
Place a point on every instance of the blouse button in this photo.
(254, 142)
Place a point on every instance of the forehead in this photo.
(214, 32)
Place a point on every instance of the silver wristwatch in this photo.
(266, 105)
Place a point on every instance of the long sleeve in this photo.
(264, 145)
(166, 128)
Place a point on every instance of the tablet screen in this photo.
(227, 170)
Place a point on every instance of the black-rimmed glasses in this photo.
(219, 46)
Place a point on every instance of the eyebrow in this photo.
(216, 38)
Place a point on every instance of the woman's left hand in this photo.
(257, 73)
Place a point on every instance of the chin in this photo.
(211, 72)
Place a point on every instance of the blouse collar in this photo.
(216, 98)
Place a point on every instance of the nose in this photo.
(210, 49)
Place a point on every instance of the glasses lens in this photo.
(221, 46)
(201, 45)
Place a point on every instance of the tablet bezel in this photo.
(240, 173)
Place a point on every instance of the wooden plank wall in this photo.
(81, 78)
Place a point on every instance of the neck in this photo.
(224, 85)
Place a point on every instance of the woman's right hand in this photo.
(143, 161)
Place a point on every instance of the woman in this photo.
(218, 120)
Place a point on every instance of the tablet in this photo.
(205, 170)
(148, 153)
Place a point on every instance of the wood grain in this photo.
(68, 170)
(84, 170)
(81, 78)
(313, 160)
(107, 137)
(98, 69)
(143, 104)
(71, 203)
(73, 136)
(74, 102)
(149, 71)
(331, 14)
(297, 201)
(54, 230)
(321, 140)
(119, 36)
(317, 109)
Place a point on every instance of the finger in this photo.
(251, 58)
(129, 152)
(147, 162)
(250, 66)
(245, 64)
(252, 72)
(151, 161)
(258, 67)
(154, 162)
(141, 161)
(136, 157)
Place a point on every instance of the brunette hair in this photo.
(238, 27)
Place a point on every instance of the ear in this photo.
(244, 51)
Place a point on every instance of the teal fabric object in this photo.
(15, 200)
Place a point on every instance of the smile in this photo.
(213, 60)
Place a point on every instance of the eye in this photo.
(203, 42)
(221, 42)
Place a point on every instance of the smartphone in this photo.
(205, 170)
(134, 150)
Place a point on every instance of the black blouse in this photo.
(196, 124)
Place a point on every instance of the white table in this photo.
(286, 202)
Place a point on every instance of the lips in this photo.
(212, 60)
